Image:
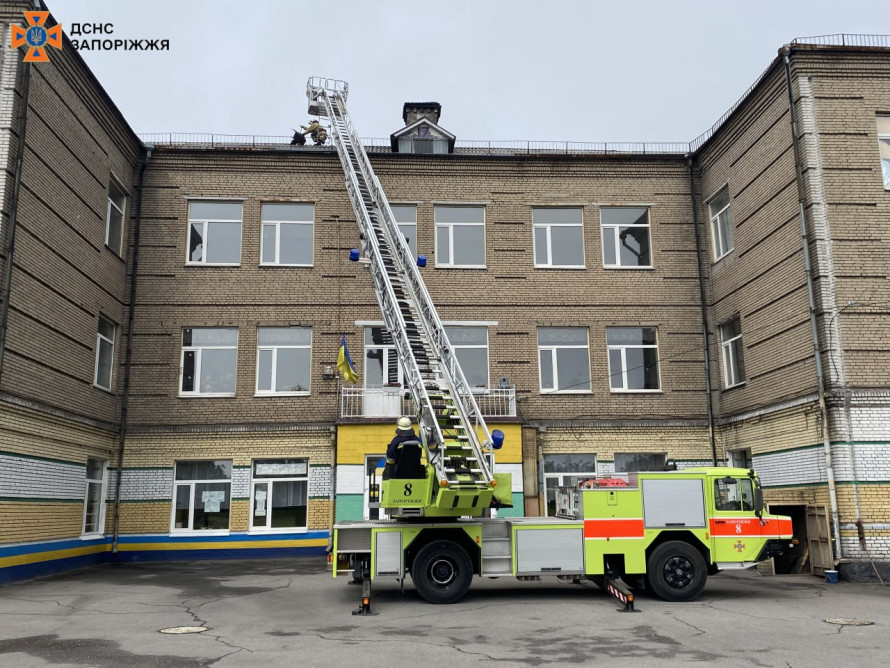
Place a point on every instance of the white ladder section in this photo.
(449, 417)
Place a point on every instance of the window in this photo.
(209, 360)
(471, 349)
(735, 494)
(202, 496)
(565, 471)
(94, 499)
(114, 220)
(104, 353)
(558, 237)
(741, 458)
(884, 145)
(279, 494)
(733, 353)
(214, 233)
(381, 362)
(406, 219)
(284, 356)
(626, 237)
(633, 359)
(721, 225)
(287, 234)
(628, 462)
(460, 236)
(564, 359)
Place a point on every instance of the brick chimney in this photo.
(413, 111)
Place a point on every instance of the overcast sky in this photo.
(575, 70)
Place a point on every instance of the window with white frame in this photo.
(209, 361)
(382, 367)
(566, 471)
(114, 220)
(721, 223)
(563, 359)
(94, 498)
(733, 352)
(284, 360)
(279, 494)
(214, 233)
(884, 146)
(629, 462)
(202, 493)
(633, 359)
(104, 353)
(288, 232)
(406, 219)
(471, 349)
(460, 236)
(626, 237)
(558, 237)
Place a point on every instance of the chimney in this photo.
(413, 111)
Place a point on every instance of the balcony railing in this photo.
(390, 402)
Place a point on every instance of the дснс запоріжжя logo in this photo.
(36, 37)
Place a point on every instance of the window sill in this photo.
(277, 530)
(281, 264)
(206, 396)
(648, 267)
(281, 394)
(569, 267)
(104, 389)
(544, 392)
(198, 532)
(212, 264)
(116, 253)
(613, 391)
(461, 266)
(724, 256)
(732, 387)
(92, 536)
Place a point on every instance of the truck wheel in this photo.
(677, 571)
(442, 572)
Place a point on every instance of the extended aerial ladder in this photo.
(455, 439)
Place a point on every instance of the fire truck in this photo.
(667, 530)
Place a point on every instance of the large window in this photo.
(381, 362)
(287, 234)
(279, 493)
(733, 353)
(471, 348)
(114, 221)
(884, 145)
(202, 496)
(406, 219)
(94, 498)
(460, 236)
(565, 471)
(564, 359)
(104, 354)
(633, 359)
(209, 361)
(558, 237)
(284, 356)
(214, 233)
(628, 462)
(625, 237)
(721, 224)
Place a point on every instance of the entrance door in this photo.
(373, 475)
(819, 539)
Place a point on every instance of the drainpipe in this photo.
(125, 396)
(13, 212)
(704, 313)
(814, 332)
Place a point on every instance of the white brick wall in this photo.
(23, 477)
(146, 484)
(320, 481)
(793, 467)
(8, 66)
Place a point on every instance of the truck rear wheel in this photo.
(676, 571)
(442, 572)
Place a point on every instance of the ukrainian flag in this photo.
(344, 362)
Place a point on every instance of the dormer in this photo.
(422, 133)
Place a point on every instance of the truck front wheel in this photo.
(676, 571)
(442, 572)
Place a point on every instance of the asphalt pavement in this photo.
(291, 612)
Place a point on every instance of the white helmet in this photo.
(404, 423)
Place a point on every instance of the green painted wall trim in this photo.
(349, 507)
(22, 455)
(321, 497)
(37, 499)
(319, 466)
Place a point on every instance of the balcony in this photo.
(390, 402)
